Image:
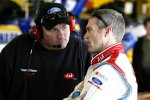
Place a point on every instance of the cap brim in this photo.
(50, 24)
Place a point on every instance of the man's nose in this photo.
(85, 37)
(61, 33)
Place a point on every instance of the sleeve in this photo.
(2, 79)
(5, 75)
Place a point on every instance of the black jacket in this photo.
(43, 74)
(143, 78)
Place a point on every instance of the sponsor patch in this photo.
(28, 72)
(69, 75)
(97, 81)
(53, 10)
(92, 83)
(101, 76)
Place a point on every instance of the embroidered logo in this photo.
(28, 72)
(92, 83)
(69, 75)
(100, 58)
(101, 76)
(96, 80)
(53, 10)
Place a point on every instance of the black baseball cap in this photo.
(51, 14)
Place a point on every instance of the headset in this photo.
(37, 33)
(72, 23)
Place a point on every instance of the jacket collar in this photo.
(106, 53)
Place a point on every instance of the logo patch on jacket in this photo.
(28, 72)
(69, 75)
(101, 76)
(97, 81)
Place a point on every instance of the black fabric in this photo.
(48, 83)
(143, 78)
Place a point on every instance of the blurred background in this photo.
(16, 16)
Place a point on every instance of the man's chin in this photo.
(63, 46)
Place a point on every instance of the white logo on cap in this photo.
(53, 10)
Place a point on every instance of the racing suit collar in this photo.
(106, 53)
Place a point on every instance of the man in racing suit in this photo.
(110, 76)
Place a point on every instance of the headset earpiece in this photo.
(72, 23)
(35, 32)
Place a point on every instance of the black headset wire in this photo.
(29, 62)
(28, 68)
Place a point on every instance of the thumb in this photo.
(82, 96)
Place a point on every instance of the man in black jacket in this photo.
(141, 59)
(43, 65)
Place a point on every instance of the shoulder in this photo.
(107, 70)
(20, 41)
(21, 38)
(108, 75)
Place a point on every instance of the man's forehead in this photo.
(91, 23)
(92, 27)
(93, 20)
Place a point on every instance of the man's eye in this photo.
(65, 26)
(53, 30)
(88, 30)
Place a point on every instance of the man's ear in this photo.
(108, 30)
